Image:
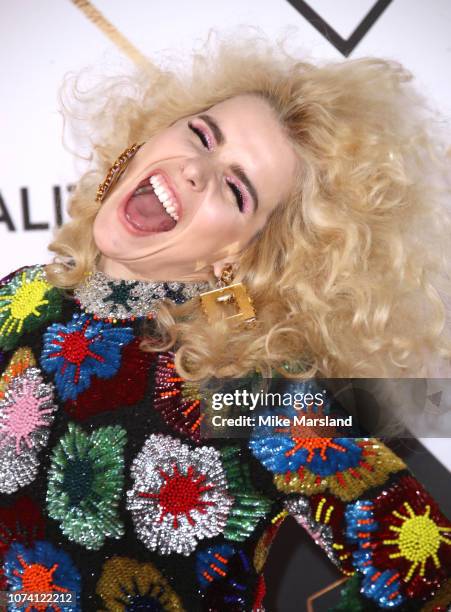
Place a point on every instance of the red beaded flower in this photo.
(402, 530)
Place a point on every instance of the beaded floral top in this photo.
(109, 493)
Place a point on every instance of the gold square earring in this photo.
(227, 293)
(116, 171)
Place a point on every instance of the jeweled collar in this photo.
(118, 300)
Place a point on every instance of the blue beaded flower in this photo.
(43, 569)
(80, 349)
(283, 450)
(302, 463)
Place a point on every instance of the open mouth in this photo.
(152, 207)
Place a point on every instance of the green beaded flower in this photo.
(85, 483)
(249, 505)
(26, 302)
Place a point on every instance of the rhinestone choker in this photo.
(119, 300)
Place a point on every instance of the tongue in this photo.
(145, 212)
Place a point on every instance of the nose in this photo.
(197, 172)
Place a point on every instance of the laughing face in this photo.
(196, 193)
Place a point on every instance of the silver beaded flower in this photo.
(179, 496)
(26, 413)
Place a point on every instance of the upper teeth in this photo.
(163, 195)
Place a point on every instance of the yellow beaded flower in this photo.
(26, 302)
(126, 584)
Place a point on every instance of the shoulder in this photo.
(26, 272)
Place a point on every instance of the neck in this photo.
(119, 271)
(118, 298)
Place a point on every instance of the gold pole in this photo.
(94, 15)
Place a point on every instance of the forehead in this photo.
(255, 138)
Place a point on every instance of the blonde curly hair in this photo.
(350, 275)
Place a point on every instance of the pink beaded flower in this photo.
(26, 413)
(179, 496)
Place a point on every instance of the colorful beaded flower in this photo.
(177, 400)
(249, 505)
(27, 301)
(404, 543)
(80, 349)
(322, 516)
(85, 483)
(179, 495)
(221, 572)
(21, 522)
(43, 569)
(344, 466)
(126, 585)
(26, 413)
(126, 388)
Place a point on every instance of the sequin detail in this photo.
(263, 545)
(223, 573)
(323, 517)
(20, 522)
(26, 413)
(26, 302)
(346, 467)
(249, 506)
(126, 388)
(22, 359)
(42, 569)
(179, 495)
(441, 601)
(212, 563)
(404, 543)
(127, 586)
(177, 400)
(112, 299)
(80, 349)
(85, 482)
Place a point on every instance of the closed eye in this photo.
(206, 142)
(238, 195)
(201, 135)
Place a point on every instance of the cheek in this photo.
(105, 230)
(218, 226)
(100, 232)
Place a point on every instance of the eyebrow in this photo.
(236, 168)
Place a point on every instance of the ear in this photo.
(221, 263)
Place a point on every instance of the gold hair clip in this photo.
(116, 171)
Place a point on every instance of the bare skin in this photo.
(217, 206)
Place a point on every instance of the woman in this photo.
(302, 189)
